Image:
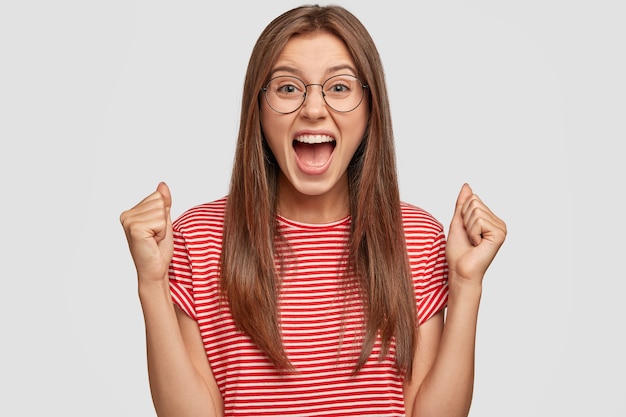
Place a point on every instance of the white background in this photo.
(100, 100)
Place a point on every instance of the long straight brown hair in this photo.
(377, 251)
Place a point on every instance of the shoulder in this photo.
(417, 220)
(208, 215)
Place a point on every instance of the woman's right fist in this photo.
(148, 228)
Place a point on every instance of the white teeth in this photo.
(311, 139)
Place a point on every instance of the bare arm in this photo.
(427, 346)
(181, 381)
(443, 380)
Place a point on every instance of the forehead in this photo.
(314, 55)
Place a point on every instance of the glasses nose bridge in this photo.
(306, 90)
(306, 93)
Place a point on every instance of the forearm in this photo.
(176, 386)
(448, 388)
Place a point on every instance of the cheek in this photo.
(272, 129)
(263, 118)
(358, 124)
(271, 126)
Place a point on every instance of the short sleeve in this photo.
(431, 285)
(426, 250)
(180, 276)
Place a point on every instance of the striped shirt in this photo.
(320, 317)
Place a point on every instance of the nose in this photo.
(314, 105)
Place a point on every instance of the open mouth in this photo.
(314, 150)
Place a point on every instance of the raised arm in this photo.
(443, 378)
(181, 381)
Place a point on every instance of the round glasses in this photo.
(285, 94)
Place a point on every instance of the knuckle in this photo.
(123, 216)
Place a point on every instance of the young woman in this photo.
(311, 289)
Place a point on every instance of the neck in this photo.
(313, 209)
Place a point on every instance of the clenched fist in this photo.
(148, 228)
(474, 238)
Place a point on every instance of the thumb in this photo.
(167, 196)
(164, 190)
(465, 193)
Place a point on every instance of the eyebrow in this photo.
(296, 71)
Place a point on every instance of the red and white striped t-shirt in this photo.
(321, 320)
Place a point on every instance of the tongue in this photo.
(314, 155)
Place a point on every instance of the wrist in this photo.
(464, 289)
(151, 288)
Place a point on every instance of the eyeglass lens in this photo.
(285, 94)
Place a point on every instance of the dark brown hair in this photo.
(377, 251)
